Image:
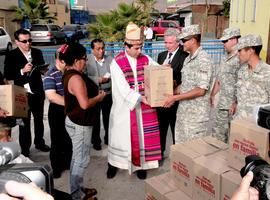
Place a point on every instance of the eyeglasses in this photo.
(25, 41)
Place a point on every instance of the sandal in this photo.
(89, 191)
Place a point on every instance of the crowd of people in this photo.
(80, 87)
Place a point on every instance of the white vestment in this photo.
(125, 100)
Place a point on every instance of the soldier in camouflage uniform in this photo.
(194, 92)
(225, 85)
(253, 82)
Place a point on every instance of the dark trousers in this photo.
(166, 118)
(61, 146)
(36, 107)
(105, 107)
(148, 46)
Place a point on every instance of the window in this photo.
(253, 19)
(237, 11)
(2, 32)
(172, 25)
(165, 24)
(232, 11)
(244, 10)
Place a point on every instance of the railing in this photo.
(213, 47)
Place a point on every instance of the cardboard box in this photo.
(177, 195)
(206, 145)
(14, 100)
(158, 186)
(182, 160)
(247, 138)
(158, 83)
(182, 167)
(215, 142)
(223, 154)
(207, 178)
(230, 181)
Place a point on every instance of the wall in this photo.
(215, 24)
(252, 19)
(62, 15)
(6, 16)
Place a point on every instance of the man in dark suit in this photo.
(175, 57)
(21, 68)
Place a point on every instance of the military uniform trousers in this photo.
(221, 125)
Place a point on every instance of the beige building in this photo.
(60, 9)
(6, 16)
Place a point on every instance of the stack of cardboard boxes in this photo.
(207, 169)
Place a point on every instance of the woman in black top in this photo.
(81, 96)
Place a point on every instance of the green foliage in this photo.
(110, 26)
(226, 4)
(36, 11)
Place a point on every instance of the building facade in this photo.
(6, 15)
(253, 17)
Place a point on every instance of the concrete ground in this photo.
(122, 187)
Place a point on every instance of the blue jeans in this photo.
(81, 140)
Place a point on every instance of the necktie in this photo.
(170, 60)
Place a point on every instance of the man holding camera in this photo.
(20, 68)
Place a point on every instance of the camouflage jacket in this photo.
(253, 88)
(227, 77)
(197, 72)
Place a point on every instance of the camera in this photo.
(40, 174)
(264, 117)
(261, 171)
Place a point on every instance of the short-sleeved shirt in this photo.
(197, 72)
(252, 88)
(227, 77)
(53, 81)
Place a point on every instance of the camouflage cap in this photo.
(249, 41)
(190, 30)
(229, 33)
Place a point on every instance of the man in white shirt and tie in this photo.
(174, 56)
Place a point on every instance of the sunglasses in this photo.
(25, 41)
(224, 41)
(185, 39)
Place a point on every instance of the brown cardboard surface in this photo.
(157, 186)
(230, 181)
(207, 178)
(215, 142)
(222, 154)
(247, 138)
(14, 100)
(177, 195)
(182, 167)
(201, 146)
(158, 83)
(182, 156)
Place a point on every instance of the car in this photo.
(47, 33)
(159, 27)
(5, 41)
(84, 29)
(73, 32)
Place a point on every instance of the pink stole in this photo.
(149, 116)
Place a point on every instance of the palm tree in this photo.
(36, 11)
(147, 7)
(110, 26)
